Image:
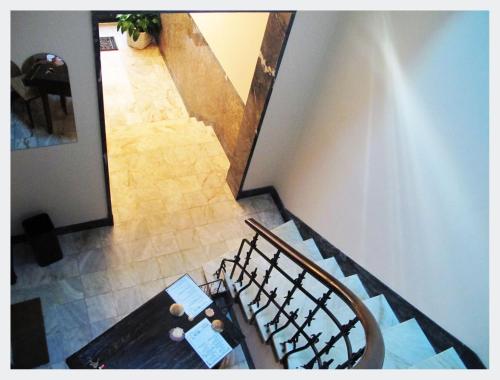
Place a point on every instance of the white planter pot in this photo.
(143, 41)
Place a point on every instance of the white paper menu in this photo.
(208, 343)
(186, 292)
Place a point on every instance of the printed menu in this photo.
(186, 292)
(208, 343)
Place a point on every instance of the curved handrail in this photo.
(373, 355)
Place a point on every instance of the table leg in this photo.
(62, 100)
(46, 110)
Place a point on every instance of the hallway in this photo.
(172, 208)
(167, 171)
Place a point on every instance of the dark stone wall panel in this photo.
(265, 72)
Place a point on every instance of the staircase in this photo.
(311, 314)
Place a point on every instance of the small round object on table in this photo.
(218, 325)
(176, 334)
(209, 312)
(176, 309)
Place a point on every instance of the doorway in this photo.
(165, 148)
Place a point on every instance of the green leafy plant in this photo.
(136, 23)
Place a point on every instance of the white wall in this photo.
(296, 78)
(67, 181)
(235, 39)
(391, 164)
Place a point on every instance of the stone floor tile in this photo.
(187, 239)
(127, 300)
(194, 258)
(165, 243)
(96, 283)
(122, 277)
(171, 264)
(91, 261)
(101, 307)
(138, 250)
(152, 288)
(98, 327)
(75, 339)
(146, 270)
(72, 315)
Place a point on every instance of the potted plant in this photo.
(140, 28)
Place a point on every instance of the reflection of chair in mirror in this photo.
(21, 91)
(41, 105)
(49, 74)
(31, 61)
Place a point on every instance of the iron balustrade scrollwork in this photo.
(299, 322)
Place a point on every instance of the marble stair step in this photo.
(447, 359)
(288, 232)
(381, 311)
(282, 285)
(322, 321)
(405, 345)
(276, 280)
(331, 266)
(312, 251)
(210, 267)
(355, 285)
(307, 247)
(230, 285)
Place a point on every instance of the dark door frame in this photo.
(109, 16)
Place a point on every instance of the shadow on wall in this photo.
(398, 130)
(204, 86)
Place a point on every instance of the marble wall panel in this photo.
(210, 96)
(265, 72)
(207, 92)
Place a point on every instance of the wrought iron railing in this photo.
(294, 298)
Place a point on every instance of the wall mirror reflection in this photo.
(41, 103)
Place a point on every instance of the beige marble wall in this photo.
(207, 92)
(209, 95)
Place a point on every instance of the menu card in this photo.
(208, 343)
(186, 292)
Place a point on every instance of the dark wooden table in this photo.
(49, 78)
(141, 340)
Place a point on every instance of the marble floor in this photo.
(137, 85)
(25, 136)
(173, 210)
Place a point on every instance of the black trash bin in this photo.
(43, 239)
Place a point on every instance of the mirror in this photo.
(41, 103)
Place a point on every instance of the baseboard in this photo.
(264, 190)
(71, 228)
(439, 338)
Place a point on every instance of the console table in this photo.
(50, 79)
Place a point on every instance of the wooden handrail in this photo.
(373, 355)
